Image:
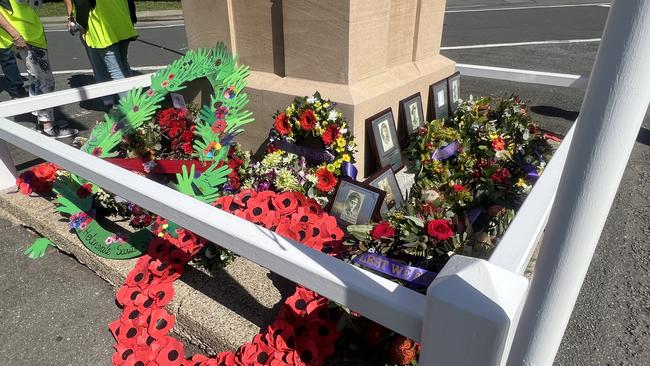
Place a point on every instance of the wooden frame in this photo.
(438, 100)
(364, 194)
(386, 176)
(453, 92)
(384, 142)
(406, 114)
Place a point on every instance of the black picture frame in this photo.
(438, 100)
(406, 108)
(453, 92)
(369, 203)
(384, 141)
(386, 181)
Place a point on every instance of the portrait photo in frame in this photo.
(355, 203)
(384, 141)
(412, 114)
(386, 181)
(453, 90)
(438, 100)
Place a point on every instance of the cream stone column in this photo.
(366, 55)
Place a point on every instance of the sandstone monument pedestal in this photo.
(365, 55)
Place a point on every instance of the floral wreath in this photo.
(215, 128)
(312, 128)
(305, 331)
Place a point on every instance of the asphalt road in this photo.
(611, 322)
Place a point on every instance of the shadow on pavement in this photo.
(554, 112)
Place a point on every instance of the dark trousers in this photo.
(15, 86)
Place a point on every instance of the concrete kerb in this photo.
(214, 313)
(144, 16)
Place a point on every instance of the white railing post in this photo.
(471, 314)
(8, 172)
(612, 112)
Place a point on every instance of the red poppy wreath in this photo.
(304, 331)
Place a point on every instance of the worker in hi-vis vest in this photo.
(107, 29)
(22, 32)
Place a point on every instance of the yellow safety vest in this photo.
(108, 23)
(26, 21)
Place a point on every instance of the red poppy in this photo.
(224, 203)
(280, 335)
(121, 354)
(286, 202)
(288, 231)
(223, 359)
(330, 134)
(161, 293)
(127, 295)
(46, 172)
(326, 180)
(299, 303)
(85, 190)
(173, 354)
(127, 333)
(161, 323)
(382, 230)
(159, 247)
(256, 210)
(307, 351)
(138, 358)
(138, 277)
(458, 187)
(312, 206)
(219, 126)
(439, 229)
(242, 198)
(23, 182)
(281, 124)
(256, 352)
(322, 332)
(308, 120)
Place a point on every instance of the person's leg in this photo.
(112, 60)
(99, 71)
(10, 68)
(124, 57)
(42, 82)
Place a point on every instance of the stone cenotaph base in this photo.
(365, 55)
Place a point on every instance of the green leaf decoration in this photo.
(68, 200)
(38, 249)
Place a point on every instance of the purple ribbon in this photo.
(473, 214)
(446, 152)
(349, 170)
(531, 172)
(310, 153)
(393, 268)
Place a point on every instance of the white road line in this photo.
(62, 29)
(494, 45)
(526, 8)
(90, 71)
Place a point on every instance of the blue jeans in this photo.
(110, 63)
(10, 68)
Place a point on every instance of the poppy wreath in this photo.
(313, 129)
(304, 332)
(212, 134)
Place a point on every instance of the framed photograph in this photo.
(383, 140)
(412, 113)
(438, 100)
(453, 90)
(386, 181)
(355, 203)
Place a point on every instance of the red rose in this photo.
(382, 230)
(46, 172)
(85, 190)
(500, 176)
(326, 180)
(498, 144)
(330, 134)
(439, 229)
(458, 187)
(308, 120)
(282, 124)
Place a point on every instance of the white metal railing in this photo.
(470, 315)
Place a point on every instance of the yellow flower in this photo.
(338, 163)
(340, 141)
(346, 157)
(521, 183)
(331, 167)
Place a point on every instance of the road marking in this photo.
(494, 45)
(527, 8)
(63, 29)
(90, 71)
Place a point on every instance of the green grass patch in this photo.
(54, 9)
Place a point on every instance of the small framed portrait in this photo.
(453, 89)
(438, 100)
(412, 113)
(355, 203)
(383, 139)
(386, 181)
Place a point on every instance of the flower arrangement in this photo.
(38, 179)
(312, 128)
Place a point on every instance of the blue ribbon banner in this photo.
(393, 268)
(349, 170)
(446, 152)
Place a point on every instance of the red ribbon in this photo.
(161, 166)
